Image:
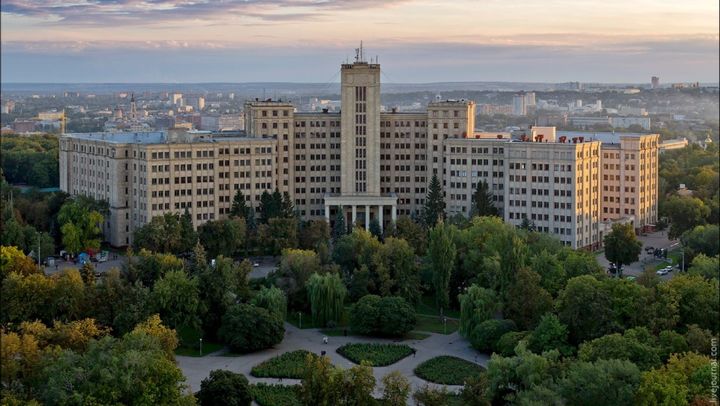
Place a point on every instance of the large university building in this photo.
(368, 164)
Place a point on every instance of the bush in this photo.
(288, 365)
(486, 335)
(275, 395)
(224, 388)
(447, 370)
(506, 344)
(379, 355)
(246, 328)
(389, 316)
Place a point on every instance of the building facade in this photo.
(367, 164)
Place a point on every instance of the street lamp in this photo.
(201, 346)
(300, 317)
(444, 325)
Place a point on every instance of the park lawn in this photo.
(287, 365)
(447, 370)
(379, 355)
(190, 343)
(307, 322)
(434, 324)
(675, 258)
(340, 331)
(275, 395)
(428, 307)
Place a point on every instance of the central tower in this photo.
(360, 128)
(360, 147)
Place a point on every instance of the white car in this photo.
(662, 272)
(256, 264)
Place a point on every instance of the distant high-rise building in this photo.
(530, 99)
(655, 81)
(177, 99)
(519, 105)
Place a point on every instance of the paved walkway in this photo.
(198, 368)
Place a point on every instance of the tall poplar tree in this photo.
(483, 202)
(441, 253)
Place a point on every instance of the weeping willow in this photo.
(273, 300)
(327, 295)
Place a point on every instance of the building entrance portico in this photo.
(363, 207)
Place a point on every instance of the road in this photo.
(657, 240)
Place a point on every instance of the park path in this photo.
(196, 369)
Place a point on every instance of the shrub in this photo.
(390, 316)
(379, 355)
(246, 328)
(272, 299)
(275, 395)
(428, 396)
(287, 365)
(486, 334)
(224, 388)
(447, 370)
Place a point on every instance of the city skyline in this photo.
(417, 41)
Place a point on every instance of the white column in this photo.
(394, 213)
(367, 217)
(327, 213)
(354, 215)
(380, 216)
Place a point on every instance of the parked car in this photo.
(662, 272)
(102, 256)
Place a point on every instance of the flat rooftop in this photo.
(604, 137)
(163, 137)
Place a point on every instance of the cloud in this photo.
(150, 12)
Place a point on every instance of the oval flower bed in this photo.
(379, 355)
(287, 365)
(447, 370)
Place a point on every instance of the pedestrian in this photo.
(325, 340)
(414, 351)
(322, 353)
(281, 379)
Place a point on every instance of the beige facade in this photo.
(370, 165)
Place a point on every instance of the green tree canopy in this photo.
(434, 209)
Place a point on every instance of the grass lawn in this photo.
(434, 324)
(293, 318)
(190, 343)
(379, 355)
(275, 395)
(340, 331)
(428, 306)
(447, 370)
(674, 258)
(288, 365)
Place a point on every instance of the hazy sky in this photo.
(306, 40)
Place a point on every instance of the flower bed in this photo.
(379, 355)
(447, 370)
(288, 365)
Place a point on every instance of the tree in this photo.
(177, 299)
(287, 208)
(326, 385)
(220, 287)
(223, 237)
(413, 233)
(625, 347)
(224, 388)
(486, 334)
(441, 255)
(239, 208)
(313, 234)
(166, 337)
(683, 380)
(272, 299)
(703, 239)
(283, 233)
(622, 246)
(507, 342)
(168, 233)
(339, 228)
(476, 391)
(131, 370)
(375, 229)
(483, 201)
(584, 306)
(578, 263)
(684, 213)
(269, 207)
(396, 270)
(434, 209)
(326, 294)
(80, 224)
(550, 334)
(246, 328)
(697, 301)
(13, 260)
(396, 389)
(476, 305)
(707, 267)
(527, 300)
(389, 316)
(429, 396)
(552, 274)
(605, 382)
(292, 275)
